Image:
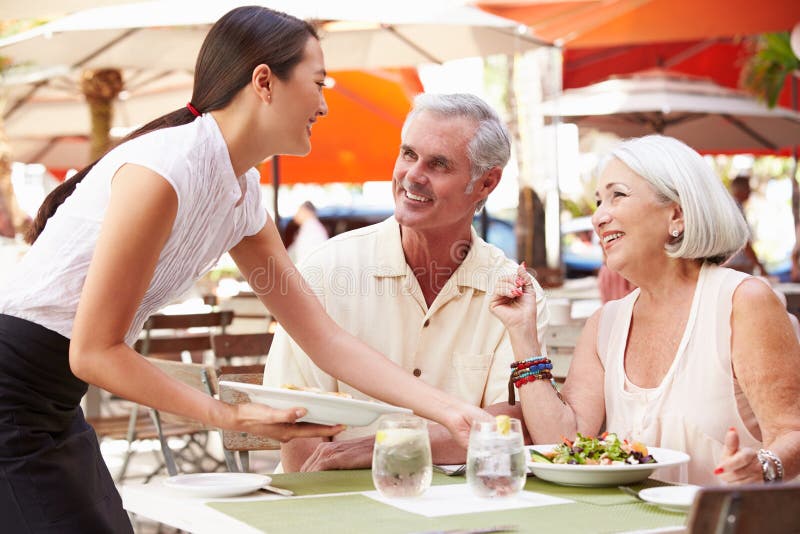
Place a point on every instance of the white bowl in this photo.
(603, 475)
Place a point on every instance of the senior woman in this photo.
(699, 358)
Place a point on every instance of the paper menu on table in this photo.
(455, 499)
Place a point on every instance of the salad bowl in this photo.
(602, 475)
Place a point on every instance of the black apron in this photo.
(52, 476)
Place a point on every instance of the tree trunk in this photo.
(101, 87)
(12, 219)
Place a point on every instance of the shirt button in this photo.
(426, 323)
(417, 372)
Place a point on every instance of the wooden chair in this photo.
(202, 377)
(756, 508)
(229, 346)
(239, 444)
(136, 425)
(233, 346)
(153, 343)
(560, 341)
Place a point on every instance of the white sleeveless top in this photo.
(698, 399)
(46, 285)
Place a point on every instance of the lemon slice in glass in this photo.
(503, 424)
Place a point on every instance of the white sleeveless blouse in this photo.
(698, 399)
(46, 285)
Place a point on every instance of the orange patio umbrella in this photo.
(592, 23)
(359, 139)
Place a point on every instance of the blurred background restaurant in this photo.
(570, 77)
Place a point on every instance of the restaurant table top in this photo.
(336, 501)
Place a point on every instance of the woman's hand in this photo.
(277, 424)
(514, 302)
(738, 466)
(459, 420)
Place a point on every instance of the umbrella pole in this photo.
(795, 186)
(276, 182)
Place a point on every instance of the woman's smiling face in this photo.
(633, 223)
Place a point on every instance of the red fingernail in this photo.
(719, 471)
(732, 428)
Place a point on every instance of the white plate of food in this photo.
(216, 485)
(323, 408)
(672, 498)
(622, 469)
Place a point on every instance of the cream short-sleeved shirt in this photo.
(365, 284)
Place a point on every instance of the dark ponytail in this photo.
(237, 43)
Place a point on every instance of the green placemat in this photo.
(594, 509)
(598, 496)
(358, 513)
(324, 482)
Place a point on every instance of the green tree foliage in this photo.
(767, 69)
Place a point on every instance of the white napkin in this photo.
(455, 499)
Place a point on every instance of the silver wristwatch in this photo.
(771, 466)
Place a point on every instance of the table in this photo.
(332, 502)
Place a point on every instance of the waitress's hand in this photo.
(459, 419)
(738, 465)
(277, 424)
(514, 302)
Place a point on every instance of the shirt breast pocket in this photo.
(468, 375)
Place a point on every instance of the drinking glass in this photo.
(496, 459)
(401, 459)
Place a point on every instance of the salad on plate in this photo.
(607, 449)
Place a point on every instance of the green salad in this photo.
(607, 449)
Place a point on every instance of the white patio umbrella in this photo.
(33, 9)
(51, 128)
(167, 34)
(704, 115)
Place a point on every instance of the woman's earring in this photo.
(675, 233)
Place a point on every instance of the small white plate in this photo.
(322, 408)
(603, 475)
(216, 485)
(673, 498)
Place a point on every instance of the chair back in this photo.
(173, 345)
(227, 346)
(202, 377)
(746, 509)
(242, 441)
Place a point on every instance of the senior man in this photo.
(417, 286)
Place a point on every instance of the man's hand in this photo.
(345, 454)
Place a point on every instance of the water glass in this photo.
(496, 459)
(401, 459)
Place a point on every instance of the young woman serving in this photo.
(132, 232)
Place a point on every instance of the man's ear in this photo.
(262, 82)
(489, 180)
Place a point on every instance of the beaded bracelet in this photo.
(528, 371)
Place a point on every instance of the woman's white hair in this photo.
(714, 227)
(490, 146)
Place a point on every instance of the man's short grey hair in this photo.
(490, 146)
(714, 227)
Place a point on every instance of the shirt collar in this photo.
(475, 271)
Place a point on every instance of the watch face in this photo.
(771, 473)
(768, 469)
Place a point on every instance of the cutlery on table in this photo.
(481, 530)
(280, 491)
(451, 470)
(632, 492)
